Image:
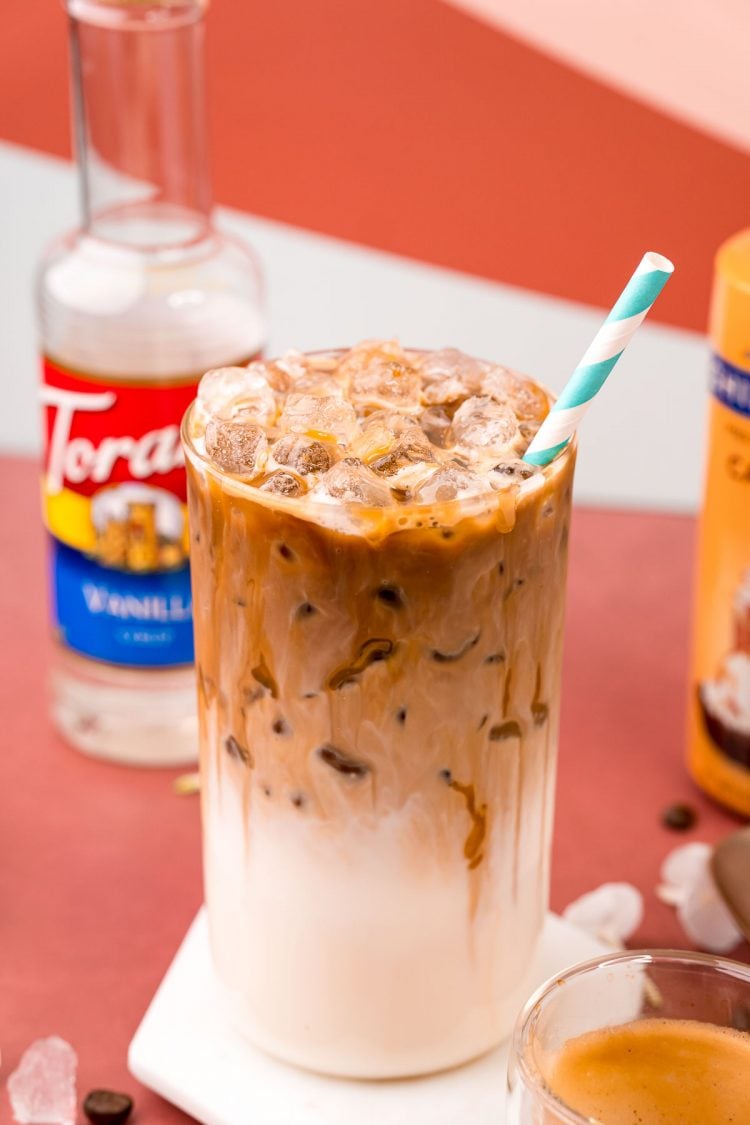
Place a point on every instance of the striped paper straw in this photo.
(603, 353)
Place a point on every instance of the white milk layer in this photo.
(339, 953)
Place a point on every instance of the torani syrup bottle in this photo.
(133, 307)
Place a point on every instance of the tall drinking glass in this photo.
(378, 602)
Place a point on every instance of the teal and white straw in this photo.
(610, 342)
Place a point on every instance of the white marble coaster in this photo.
(185, 1051)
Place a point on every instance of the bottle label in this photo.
(719, 729)
(114, 498)
(730, 385)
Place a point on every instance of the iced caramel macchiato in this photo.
(378, 583)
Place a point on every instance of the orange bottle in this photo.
(719, 718)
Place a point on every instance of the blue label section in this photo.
(142, 620)
(731, 385)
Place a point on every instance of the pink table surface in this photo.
(100, 865)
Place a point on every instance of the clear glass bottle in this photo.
(133, 308)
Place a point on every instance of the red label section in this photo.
(100, 432)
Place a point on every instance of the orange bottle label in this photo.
(719, 716)
(720, 719)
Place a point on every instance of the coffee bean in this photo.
(446, 776)
(679, 817)
(401, 715)
(299, 800)
(307, 609)
(281, 726)
(286, 552)
(105, 1107)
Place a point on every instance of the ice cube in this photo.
(511, 472)
(404, 482)
(307, 374)
(227, 392)
(303, 454)
(525, 398)
(42, 1088)
(318, 383)
(386, 382)
(480, 424)
(449, 376)
(376, 440)
(284, 484)
(451, 482)
(351, 481)
(390, 441)
(319, 416)
(365, 352)
(236, 447)
(379, 373)
(278, 377)
(313, 370)
(436, 423)
(411, 449)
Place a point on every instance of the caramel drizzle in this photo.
(474, 841)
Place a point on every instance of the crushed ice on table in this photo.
(226, 392)
(42, 1088)
(449, 376)
(236, 447)
(319, 416)
(353, 482)
(483, 424)
(612, 913)
(688, 885)
(451, 482)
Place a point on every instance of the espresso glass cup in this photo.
(621, 991)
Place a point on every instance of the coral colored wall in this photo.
(415, 128)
